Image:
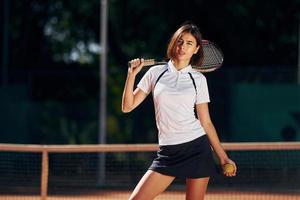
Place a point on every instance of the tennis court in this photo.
(117, 195)
(266, 171)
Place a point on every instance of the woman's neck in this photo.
(180, 64)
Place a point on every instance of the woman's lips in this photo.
(181, 53)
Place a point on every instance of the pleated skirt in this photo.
(192, 159)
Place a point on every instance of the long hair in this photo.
(197, 59)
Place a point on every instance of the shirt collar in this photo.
(172, 68)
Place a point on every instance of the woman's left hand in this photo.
(229, 167)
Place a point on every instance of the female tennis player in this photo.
(185, 140)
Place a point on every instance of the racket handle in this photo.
(149, 62)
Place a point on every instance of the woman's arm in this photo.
(131, 99)
(205, 120)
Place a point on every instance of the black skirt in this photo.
(192, 159)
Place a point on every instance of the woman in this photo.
(185, 140)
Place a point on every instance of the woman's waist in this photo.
(178, 125)
(178, 138)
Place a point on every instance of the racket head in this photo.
(213, 57)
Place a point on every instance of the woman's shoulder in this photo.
(157, 69)
(198, 75)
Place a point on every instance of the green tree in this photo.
(54, 47)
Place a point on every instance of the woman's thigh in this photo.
(151, 185)
(196, 188)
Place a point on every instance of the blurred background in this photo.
(50, 68)
(63, 65)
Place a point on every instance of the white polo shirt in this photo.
(174, 98)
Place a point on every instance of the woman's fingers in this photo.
(135, 65)
(136, 62)
(229, 169)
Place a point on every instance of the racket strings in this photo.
(212, 56)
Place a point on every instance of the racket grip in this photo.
(147, 62)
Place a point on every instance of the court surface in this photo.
(120, 195)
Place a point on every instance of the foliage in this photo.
(60, 38)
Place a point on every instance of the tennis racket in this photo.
(213, 58)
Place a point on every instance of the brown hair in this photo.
(197, 59)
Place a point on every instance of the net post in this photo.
(44, 174)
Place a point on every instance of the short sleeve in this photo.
(145, 83)
(202, 91)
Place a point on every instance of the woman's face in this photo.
(186, 47)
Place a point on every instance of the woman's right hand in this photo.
(135, 66)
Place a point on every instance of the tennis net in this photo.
(265, 171)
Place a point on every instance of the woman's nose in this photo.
(182, 46)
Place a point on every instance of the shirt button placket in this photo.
(178, 77)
